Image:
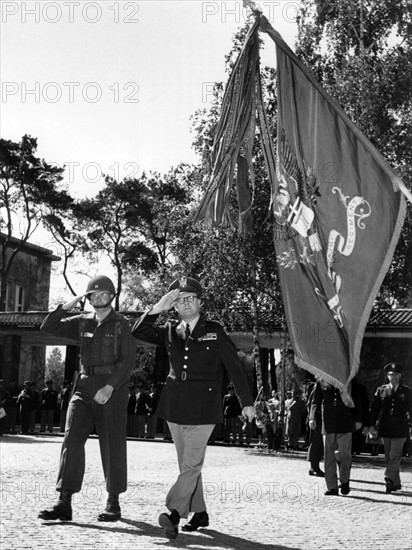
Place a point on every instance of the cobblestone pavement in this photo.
(255, 500)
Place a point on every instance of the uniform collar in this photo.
(192, 324)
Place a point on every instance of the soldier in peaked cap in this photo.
(391, 413)
(187, 284)
(107, 353)
(191, 400)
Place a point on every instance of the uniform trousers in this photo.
(231, 428)
(186, 495)
(47, 417)
(315, 450)
(110, 421)
(393, 454)
(338, 450)
(141, 424)
(33, 415)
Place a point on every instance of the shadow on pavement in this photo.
(405, 495)
(30, 438)
(366, 481)
(207, 538)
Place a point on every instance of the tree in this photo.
(29, 191)
(55, 367)
(133, 222)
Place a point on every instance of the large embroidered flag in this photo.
(338, 214)
(338, 211)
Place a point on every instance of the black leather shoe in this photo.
(170, 523)
(61, 510)
(331, 492)
(317, 473)
(389, 485)
(199, 519)
(112, 511)
(344, 488)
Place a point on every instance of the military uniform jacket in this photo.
(108, 344)
(48, 399)
(192, 393)
(336, 416)
(391, 410)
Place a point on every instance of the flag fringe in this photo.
(322, 375)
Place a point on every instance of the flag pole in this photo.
(405, 191)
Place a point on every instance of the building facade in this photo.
(27, 288)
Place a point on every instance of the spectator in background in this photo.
(358, 437)
(261, 418)
(338, 423)
(64, 398)
(295, 412)
(131, 407)
(48, 406)
(34, 406)
(153, 400)
(25, 401)
(142, 401)
(12, 406)
(315, 449)
(4, 399)
(231, 411)
(274, 430)
(391, 412)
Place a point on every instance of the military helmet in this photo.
(100, 282)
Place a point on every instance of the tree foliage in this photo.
(55, 367)
(134, 222)
(29, 191)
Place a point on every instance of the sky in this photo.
(109, 86)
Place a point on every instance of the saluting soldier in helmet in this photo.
(107, 353)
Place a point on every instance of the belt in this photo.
(95, 371)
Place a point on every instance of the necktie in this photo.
(187, 332)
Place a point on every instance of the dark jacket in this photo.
(25, 399)
(48, 399)
(391, 411)
(4, 397)
(231, 406)
(192, 393)
(336, 416)
(108, 344)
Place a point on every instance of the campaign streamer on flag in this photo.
(232, 147)
(338, 214)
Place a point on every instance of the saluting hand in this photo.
(166, 302)
(70, 305)
(104, 394)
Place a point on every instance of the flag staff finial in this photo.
(252, 6)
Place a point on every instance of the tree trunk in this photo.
(256, 347)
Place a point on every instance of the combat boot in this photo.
(112, 511)
(61, 510)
